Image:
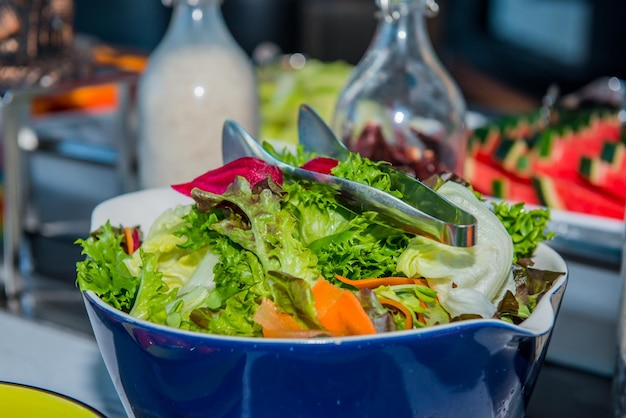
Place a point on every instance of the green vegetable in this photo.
(295, 296)
(531, 285)
(207, 266)
(104, 270)
(419, 300)
(175, 262)
(258, 223)
(153, 293)
(362, 170)
(282, 91)
(527, 227)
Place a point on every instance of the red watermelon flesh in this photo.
(483, 177)
(498, 167)
(603, 176)
(577, 196)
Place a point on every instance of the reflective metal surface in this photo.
(436, 217)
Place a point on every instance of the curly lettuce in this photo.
(104, 269)
(207, 266)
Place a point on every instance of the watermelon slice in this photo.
(576, 196)
(613, 153)
(509, 152)
(603, 176)
(492, 180)
(575, 163)
(484, 142)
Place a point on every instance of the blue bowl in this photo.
(476, 368)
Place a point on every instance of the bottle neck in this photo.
(197, 20)
(394, 8)
(402, 28)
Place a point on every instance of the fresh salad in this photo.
(257, 254)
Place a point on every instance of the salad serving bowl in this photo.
(474, 368)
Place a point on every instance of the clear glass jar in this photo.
(400, 104)
(196, 78)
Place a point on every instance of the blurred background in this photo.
(516, 49)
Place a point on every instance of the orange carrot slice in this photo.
(325, 296)
(277, 324)
(339, 310)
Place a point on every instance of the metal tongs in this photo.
(426, 213)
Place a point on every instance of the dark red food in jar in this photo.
(415, 161)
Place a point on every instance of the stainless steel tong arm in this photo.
(237, 143)
(316, 136)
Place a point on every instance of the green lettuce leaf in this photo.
(153, 293)
(258, 223)
(317, 211)
(104, 270)
(235, 318)
(345, 243)
(365, 171)
(175, 261)
(238, 286)
(361, 250)
(527, 227)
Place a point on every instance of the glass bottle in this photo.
(400, 105)
(196, 78)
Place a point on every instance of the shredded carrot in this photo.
(420, 315)
(372, 283)
(422, 282)
(408, 322)
(277, 324)
(130, 242)
(381, 281)
(339, 310)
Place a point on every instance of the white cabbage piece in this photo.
(470, 280)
